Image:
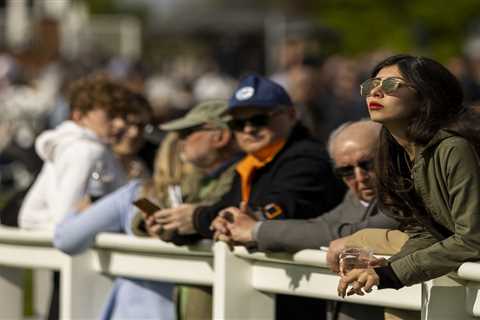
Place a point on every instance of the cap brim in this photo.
(179, 124)
(252, 105)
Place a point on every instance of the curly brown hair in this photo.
(98, 91)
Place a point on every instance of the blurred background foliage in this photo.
(431, 27)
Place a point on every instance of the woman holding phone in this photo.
(428, 172)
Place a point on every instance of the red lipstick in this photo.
(375, 106)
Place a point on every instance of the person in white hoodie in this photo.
(77, 151)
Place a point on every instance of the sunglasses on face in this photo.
(388, 85)
(349, 171)
(257, 121)
(184, 133)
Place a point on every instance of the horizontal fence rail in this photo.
(244, 283)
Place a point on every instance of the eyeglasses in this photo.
(388, 85)
(257, 120)
(184, 133)
(349, 171)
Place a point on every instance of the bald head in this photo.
(352, 147)
(361, 134)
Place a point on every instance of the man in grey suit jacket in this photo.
(352, 147)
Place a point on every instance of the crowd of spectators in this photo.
(248, 153)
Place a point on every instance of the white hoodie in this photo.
(70, 153)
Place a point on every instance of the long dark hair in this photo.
(440, 99)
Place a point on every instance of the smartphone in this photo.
(146, 206)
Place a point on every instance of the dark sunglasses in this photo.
(257, 121)
(349, 171)
(184, 133)
(388, 85)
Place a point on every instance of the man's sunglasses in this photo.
(388, 85)
(184, 133)
(257, 121)
(349, 171)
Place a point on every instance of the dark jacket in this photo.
(346, 218)
(299, 180)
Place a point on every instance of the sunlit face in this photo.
(350, 153)
(253, 138)
(101, 123)
(198, 147)
(395, 108)
(130, 134)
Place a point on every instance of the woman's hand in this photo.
(334, 249)
(362, 280)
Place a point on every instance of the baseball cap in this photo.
(212, 111)
(257, 91)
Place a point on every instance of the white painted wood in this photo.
(472, 303)
(443, 299)
(174, 268)
(321, 283)
(42, 288)
(306, 273)
(469, 271)
(77, 289)
(244, 283)
(146, 258)
(123, 242)
(29, 249)
(11, 292)
(233, 294)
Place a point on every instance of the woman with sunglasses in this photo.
(427, 169)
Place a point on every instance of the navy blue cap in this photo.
(256, 91)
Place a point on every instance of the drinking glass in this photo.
(354, 258)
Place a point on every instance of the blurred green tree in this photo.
(434, 27)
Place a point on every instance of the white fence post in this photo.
(79, 281)
(443, 299)
(42, 288)
(11, 289)
(233, 294)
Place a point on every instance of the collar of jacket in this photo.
(299, 132)
(441, 135)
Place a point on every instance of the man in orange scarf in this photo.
(284, 174)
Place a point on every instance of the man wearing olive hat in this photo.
(206, 143)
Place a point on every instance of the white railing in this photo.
(244, 283)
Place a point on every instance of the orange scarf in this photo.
(252, 162)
